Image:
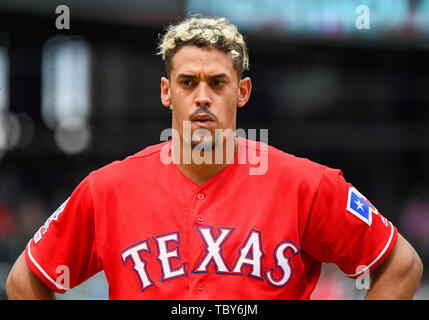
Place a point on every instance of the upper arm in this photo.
(398, 277)
(63, 252)
(344, 228)
(22, 283)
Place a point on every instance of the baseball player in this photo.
(189, 219)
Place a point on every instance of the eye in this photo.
(218, 83)
(187, 82)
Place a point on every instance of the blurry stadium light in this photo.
(10, 131)
(4, 98)
(4, 79)
(13, 127)
(72, 135)
(66, 91)
(9, 126)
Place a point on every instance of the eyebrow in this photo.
(186, 76)
(220, 75)
(189, 76)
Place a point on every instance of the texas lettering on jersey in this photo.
(250, 254)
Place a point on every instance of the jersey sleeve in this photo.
(63, 251)
(344, 228)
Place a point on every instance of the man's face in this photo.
(204, 92)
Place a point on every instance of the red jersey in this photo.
(158, 235)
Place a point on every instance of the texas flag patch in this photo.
(360, 206)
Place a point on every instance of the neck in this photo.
(200, 164)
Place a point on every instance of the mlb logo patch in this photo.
(360, 206)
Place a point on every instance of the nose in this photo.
(202, 98)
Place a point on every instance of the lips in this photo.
(203, 120)
(202, 117)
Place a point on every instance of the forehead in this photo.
(192, 59)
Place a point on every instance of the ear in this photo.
(165, 92)
(244, 89)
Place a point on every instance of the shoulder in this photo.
(142, 161)
(295, 163)
(281, 162)
(301, 170)
(289, 171)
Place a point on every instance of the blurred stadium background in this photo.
(74, 100)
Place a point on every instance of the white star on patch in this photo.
(359, 205)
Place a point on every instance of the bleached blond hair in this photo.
(209, 32)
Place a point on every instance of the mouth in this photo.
(203, 119)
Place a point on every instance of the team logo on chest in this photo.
(250, 254)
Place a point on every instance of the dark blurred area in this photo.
(73, 100)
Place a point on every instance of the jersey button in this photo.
(200, 218)
(200, 286)
(201, 196)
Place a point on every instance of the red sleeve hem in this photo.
(388, 251)
(39, 272)
(379, 260)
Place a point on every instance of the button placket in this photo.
(201, 196)
(200, 218)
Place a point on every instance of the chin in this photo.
(204, 144)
